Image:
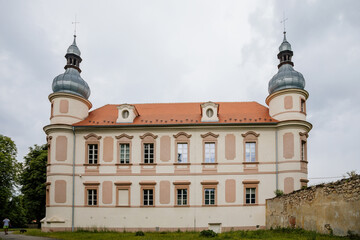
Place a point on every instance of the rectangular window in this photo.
(148, 197)
(303, 147)
(209, 196)
(250, 153)
(93, 153)
(148, 153)
(250, 195)
(209, 152)
(302, 107)
(182, 149)
(92, 197)
(181, 197)
(124, 153)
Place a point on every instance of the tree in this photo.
(9, 172)
(33, 180)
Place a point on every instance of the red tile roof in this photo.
(180, 113)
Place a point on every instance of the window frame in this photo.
(252, 195)
(210, 138)
(93, 158)
(128, 152)
(209, 185)
(208, 152)
(185, 185)
(253, 184)
(147, 186)
(182, 148)
(251, 153)
(148, 138)
(148, 160)
(182, 138)
(123, 186)
(91, 186)
(302, 105)
(251, 137)
(92, 139)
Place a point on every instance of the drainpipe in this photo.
(276, 160)
(73, 187)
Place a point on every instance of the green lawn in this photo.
(281, 234)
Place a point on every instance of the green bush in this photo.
(139, 233)
(207, 233)
(278, 192)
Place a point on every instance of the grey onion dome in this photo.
(71, 82)
(73, 48)
(286, 78)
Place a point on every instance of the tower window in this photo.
(302, 106)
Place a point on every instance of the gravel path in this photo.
(22, 237)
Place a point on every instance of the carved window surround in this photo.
(92, 138)
(209, 138)
(251, 184)
(124, 167)
(251, 137)
(183, 167)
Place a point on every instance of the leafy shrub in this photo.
(278, 192)
(207, 233)
(139, 233)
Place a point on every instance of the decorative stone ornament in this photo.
(209, 112)
(127, 113)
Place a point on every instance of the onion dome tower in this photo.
(287, 96)
(69, 100)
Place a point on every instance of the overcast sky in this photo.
(186, 51)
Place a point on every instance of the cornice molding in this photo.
(285, 91)
(68, 95)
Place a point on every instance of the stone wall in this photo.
(325, 208)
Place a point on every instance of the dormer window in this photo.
(127, 113)
(209, 112)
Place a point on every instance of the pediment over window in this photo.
(124, 135)
(209, 112)
(148, 135)
(126, 113)
(93, 135)
(209, 134)
(182, 134)
(250, 134)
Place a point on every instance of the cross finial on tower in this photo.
(283, 21)
(75, 26)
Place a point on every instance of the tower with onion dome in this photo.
(287, 94)
(69, 100)
(287, 104)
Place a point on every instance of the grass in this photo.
(278, 234)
